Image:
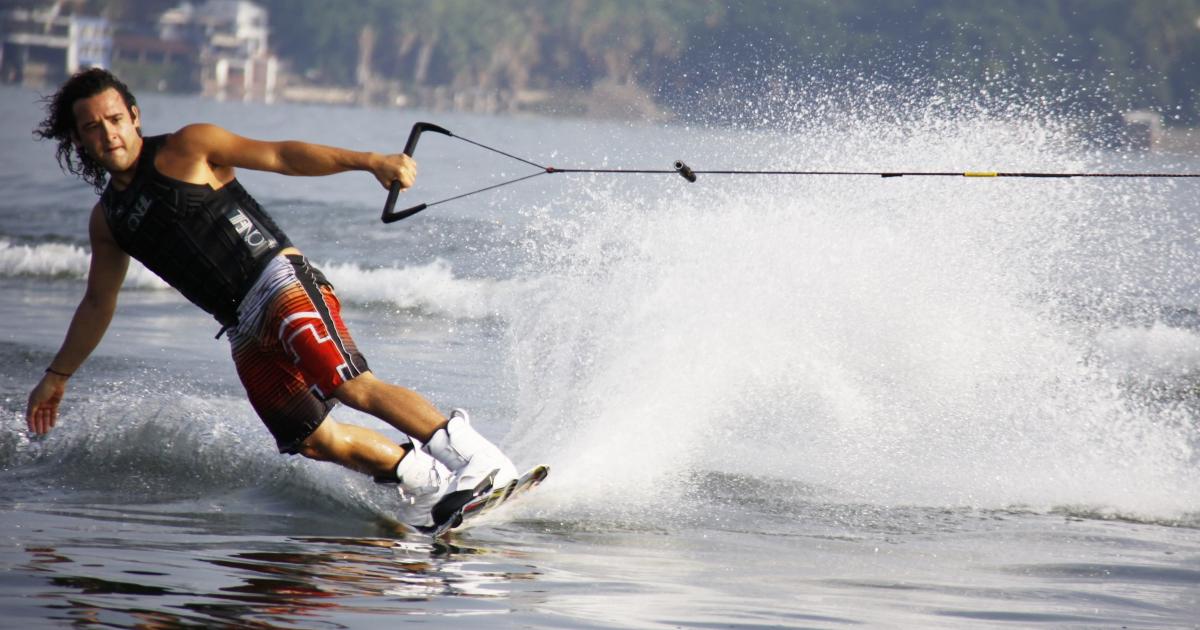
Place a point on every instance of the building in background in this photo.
(230, 39)
(147, 61)
(218, 47)
(44, 46)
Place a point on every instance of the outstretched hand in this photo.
(395, 167)
(41, 413)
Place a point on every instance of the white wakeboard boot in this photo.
(422, 483)
(476, 465)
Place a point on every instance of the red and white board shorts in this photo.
(292, 349)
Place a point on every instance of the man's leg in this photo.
(470, 457)
(402, 408)
(306, 316)
(357, 448)
(419, 478)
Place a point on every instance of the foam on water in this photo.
(432, 288)
(130, 445)
(116, 432)
(61, 260)
(897, 341)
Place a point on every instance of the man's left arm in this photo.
(222, 148)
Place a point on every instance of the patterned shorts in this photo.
(292, 349)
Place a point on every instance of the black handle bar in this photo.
(389, 215)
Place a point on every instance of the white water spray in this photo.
(890, 341)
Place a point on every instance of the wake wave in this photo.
(63, 261)
(128, 446)
(432, 288)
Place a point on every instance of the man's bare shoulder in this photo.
(196, 137)
(198, 153)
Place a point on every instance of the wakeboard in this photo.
(491, 500)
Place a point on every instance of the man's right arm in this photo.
(92, 316)
(220, 151)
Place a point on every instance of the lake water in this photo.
(816, 402)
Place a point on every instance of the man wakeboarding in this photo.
(173, 202)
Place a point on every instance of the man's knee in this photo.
(358, 392)
(321, 443)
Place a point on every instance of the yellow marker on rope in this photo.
(981, 174)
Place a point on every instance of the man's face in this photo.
(107, 130)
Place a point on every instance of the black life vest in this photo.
(209, 244)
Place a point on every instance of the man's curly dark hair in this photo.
(59, 124)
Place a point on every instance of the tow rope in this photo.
(390, 215)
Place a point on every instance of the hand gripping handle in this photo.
(389, 215)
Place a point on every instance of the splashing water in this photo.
(889, 341)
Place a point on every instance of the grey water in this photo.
(815, 402)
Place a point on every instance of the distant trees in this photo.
(1113, 53)
(503, 43)
(1124, 53)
